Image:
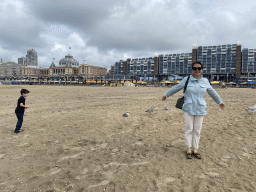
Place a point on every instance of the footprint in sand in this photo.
(212, 173)
(83, 174)
(165, 181)
(24, 145)
(71, 156)
(224, 160)
(112, 164)
(105, 182)
(109, 175)
(54, 171)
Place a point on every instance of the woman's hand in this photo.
(222, 106)
(164, 98)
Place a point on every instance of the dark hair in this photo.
(24, 91)
(197, 62)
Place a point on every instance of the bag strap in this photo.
(186, 84)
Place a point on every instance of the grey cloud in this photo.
(18, 30)
(76, 13)
(155, 29)
(110, 30)
(135, 29)
(19, 36)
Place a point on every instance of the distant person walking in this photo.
(20, 109)
(194, 107)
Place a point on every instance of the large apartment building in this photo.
(22, 61)
(141, 66)
(175, 64)
(159, 65)
(248, 61)
(30, 59)
(219, 60)
(10, 69)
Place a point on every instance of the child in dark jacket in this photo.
(20, 109)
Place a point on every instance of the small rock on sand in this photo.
(138, 143)
(226, 157)
(84, 171)
(202, 176)
(212, 174)
(115, 150)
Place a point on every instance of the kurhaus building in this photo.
(68, 67)
(219, 60)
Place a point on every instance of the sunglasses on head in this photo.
(195, 68)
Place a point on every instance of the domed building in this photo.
(52, 65)
(68, 61)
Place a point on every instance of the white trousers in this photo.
(193, 125)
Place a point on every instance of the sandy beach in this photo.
(76, 139)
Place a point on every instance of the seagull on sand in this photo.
(151, 109)
(251, 109)
(167, 107)
(126, 114)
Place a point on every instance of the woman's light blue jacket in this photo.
(194, 96)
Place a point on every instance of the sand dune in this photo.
(76, 139)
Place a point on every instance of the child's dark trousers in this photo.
(20, 120)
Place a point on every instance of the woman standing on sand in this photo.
(194, 107)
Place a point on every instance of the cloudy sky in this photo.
(101, 32)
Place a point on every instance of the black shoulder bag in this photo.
(180, 101)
